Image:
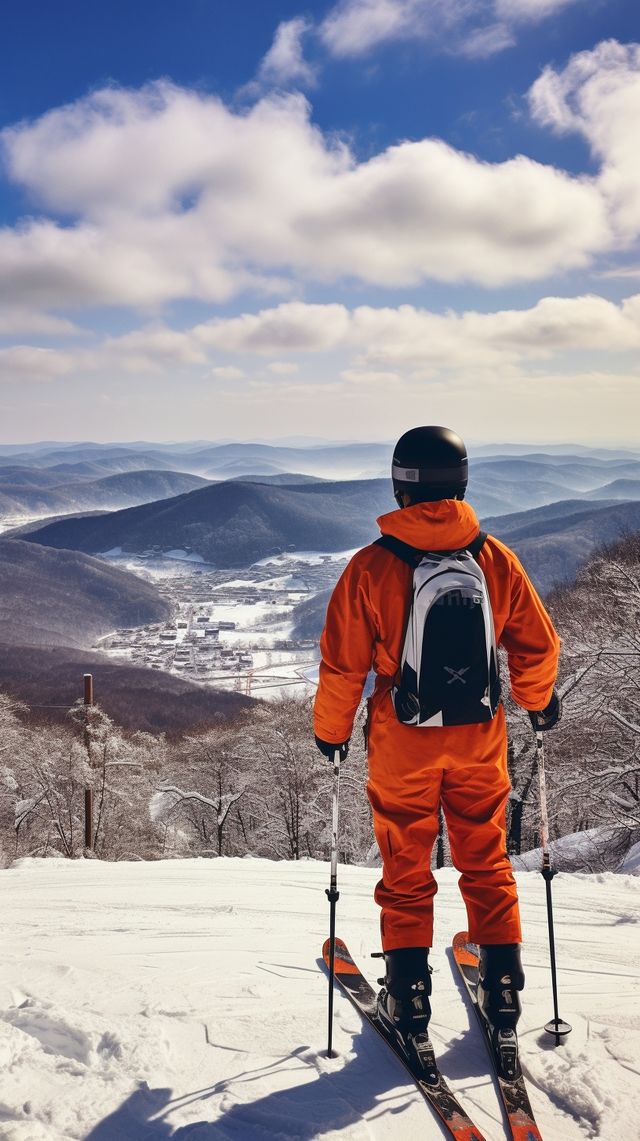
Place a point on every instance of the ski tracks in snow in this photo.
(182, 999)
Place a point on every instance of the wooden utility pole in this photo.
(88, 792)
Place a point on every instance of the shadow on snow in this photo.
(371, 1083)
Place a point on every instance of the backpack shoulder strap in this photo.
(478, 543)
(412, 555)
(401, 550)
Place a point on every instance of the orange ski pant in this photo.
(412, 772)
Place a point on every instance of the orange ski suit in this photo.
(413, 771)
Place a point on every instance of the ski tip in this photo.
(344, 964)
(460, 938)
(464, 950)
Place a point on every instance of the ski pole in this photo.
(556, 1026)
(332, 893)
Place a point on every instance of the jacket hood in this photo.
(446, 525)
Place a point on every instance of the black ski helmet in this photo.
(429, 463)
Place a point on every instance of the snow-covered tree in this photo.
(286, 780)
(201, 790)
(595, 777)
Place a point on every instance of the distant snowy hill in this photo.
(233, 524)
(183, 999)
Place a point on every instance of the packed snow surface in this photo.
(183, 999)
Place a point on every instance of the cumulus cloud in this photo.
(152, 349)
(167, 194)
(16, 322)
(285, 63)
(369, 345)
(473, 27)
(170, 194)
(408, 337)
(291, 327)
(598, 95)
(27, 363)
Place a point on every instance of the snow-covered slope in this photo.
(183, 999)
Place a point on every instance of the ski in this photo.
(505, 1060)
(423, 1069)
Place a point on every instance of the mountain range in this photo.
(503, 478)
(234, 524)
(46, 491)
(233, 504)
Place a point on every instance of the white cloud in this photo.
(598, 95)
(408, 338)
(291, 327)
(173, 195)
(284, 63)
(473, 341)
(27, 363)
(529, 10)
(283, 368)
(370, 378)
(227, 372)
(631, 272)
(371, 349)
(16, 322)
(132, 260)
(487, 41)
(152, 349)
(473, 27)
(354, 27)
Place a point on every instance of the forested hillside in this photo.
(234, 524)
(67, 598)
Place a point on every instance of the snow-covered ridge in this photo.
(183, 999)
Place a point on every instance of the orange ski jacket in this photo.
(368, 611)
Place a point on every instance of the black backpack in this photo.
(449, 669)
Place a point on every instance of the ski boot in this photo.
(500, 979)
(404, 1009)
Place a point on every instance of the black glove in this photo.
(548, 718)
(328, 750)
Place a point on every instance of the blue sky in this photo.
(251, 218)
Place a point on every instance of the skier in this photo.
(458, 761)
